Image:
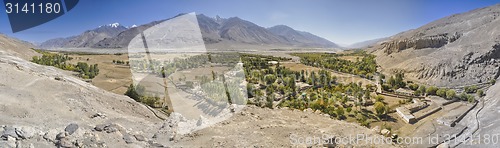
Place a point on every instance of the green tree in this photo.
(362, 120)
(340, 112)
(380, 108)
(391, 82)
(270, 79)
(250, 90)
(480, 93)
(413, 86)
(421, 88)
(379, 98)
(471, 99)
(471, 89)
(450, 94)
(441, 92)
(417, 92)
(132, 93)
(349, 109)
(431, 90)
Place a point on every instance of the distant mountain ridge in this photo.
(87, 38)
(216, 31)
(367, 43)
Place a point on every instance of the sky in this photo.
(340, 21)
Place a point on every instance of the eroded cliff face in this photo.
(467, 71)
(434, 41)
(462, 49)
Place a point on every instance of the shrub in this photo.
(386, 87)
(349, 109)
(380, 108)
(431, 90)
(471, 89)
(471, 99)
(413, 86)
(421, 89)
(417, 93)
(340, 112)
(441, 92)
(132, 93)
(480, 93)
(466, 97)
(379, 98)
(450, 94)
(150, 101)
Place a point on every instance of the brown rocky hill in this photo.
(16, 47)
(457, 50)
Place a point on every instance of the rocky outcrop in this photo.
(433, 41)
(461, 49)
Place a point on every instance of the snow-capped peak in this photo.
(114, 25)
(133, 26)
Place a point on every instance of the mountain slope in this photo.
(123, 38)
(456, 50)
(38, 102)
(86, 39)
(302, 38)
(16, 47)
(217, 33)
(236, 29)
(367, 43)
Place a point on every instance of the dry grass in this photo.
(351, 58)
(298, 67)
(112, 77)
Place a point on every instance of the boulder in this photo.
(100, 127)
(114, 128)
(10, 142)
(9, 131)
(140, 137)
(50, 135)
(65, 142)
(128, 138)
(71, 128)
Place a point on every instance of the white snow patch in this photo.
(114, 25)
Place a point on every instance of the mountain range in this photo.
(367, 43)
(217, 32)
(87, 38)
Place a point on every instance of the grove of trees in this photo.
(366, 67)
(85, 70)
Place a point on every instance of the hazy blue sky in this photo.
(340, 21)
